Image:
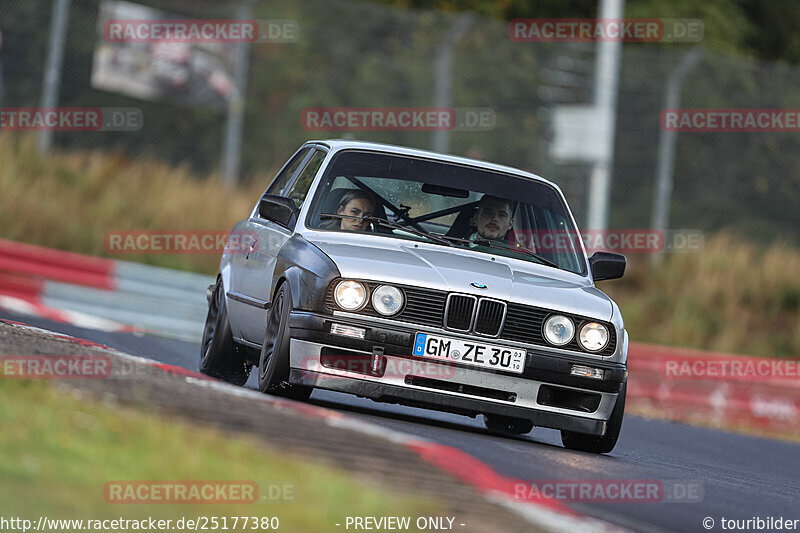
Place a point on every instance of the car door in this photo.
(270, 238)
(241, 310)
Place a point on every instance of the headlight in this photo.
(593, 336)
(559, 330)
(350, 295)
(387, 300)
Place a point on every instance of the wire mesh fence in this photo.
(357, 55)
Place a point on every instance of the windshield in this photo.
(448, 204)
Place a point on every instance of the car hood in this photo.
(453, 269)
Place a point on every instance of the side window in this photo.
(279, 183)
(306, 178)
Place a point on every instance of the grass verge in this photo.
(71, 200)
(57, 453)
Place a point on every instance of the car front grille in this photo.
(494, 318)
(490, 317)
(423, 306)
(459, 311)
(524, 323)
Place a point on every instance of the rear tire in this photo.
(592, 443)
(507, 425)
(273, 366)
(220, 356)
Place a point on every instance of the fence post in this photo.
(605, 98)
(52, 70)
(232, 143)
(444, 76)
(1, 70)
(662, 196)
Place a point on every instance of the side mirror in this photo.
(278, 209)
(606, 265)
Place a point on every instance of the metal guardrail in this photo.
(721, 389)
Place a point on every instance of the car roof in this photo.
(341, 144)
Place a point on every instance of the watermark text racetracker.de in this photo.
(377, 365)
(624, 241)
(609, 30)
(611, 490)
(195, 31)
(197, 492)
(730, 120)
(181, 242)
(55, 366)
(398, 119)
(77, 366)
(729, 369)
(71, 119)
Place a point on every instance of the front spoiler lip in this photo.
(383, 392)
(522, 394)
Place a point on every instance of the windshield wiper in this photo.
(483, 241)
(394, 225)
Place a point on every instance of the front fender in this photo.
(226, 261)
(307, 269)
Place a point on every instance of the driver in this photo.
(493, 218)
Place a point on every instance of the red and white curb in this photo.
(69, 338)
(32, 306)
(102, 294)
(550, 514)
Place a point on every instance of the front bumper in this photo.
(544, 393)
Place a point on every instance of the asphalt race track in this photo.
(740, 477)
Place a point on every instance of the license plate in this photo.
(469, 352)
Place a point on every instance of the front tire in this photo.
(220, 356)
(273, 366)
(592, 443)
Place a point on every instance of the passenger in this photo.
(355, 203)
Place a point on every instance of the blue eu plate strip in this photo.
(419, 344)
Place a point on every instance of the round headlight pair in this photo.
(352, 296)
(559, 330)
